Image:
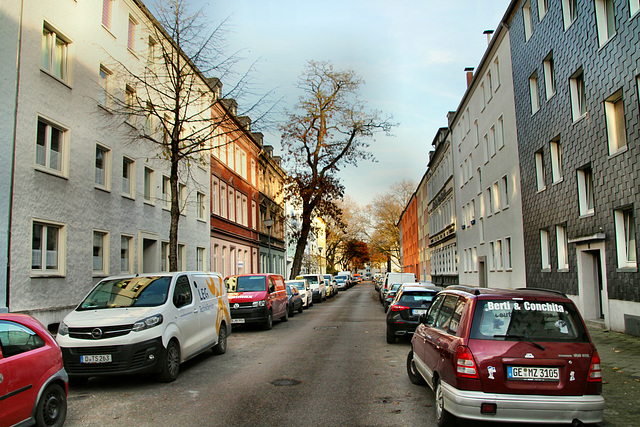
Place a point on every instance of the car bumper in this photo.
(244, 315)
(403, 327)
(139, 358)
(518, 408)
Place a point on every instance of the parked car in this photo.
(390, 295)
(350, 280)
(341, 283)
(330, 282)
(357, 277)
(391, 278)
(517, 356)
(405, 310)
(318, 287)
(33, 381)
(304, 289)
(257, 299)
(346, 278)
(294, 301)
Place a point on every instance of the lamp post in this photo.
(269, 223)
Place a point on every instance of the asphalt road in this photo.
(328, 366)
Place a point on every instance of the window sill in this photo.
(608, 41)
(619, 151)
(150, 203)
(563, 270)
(100, 274)
(587, 215)
(546, 270)
(128, 196)
(103, 189)
(558, 181)
(46, 275)
(579, 118)
(108, 31)
(541, 190)
(202, 220)
(56, 78)
(627, 269)
(51, 172)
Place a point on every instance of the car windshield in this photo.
(420, 297)
(340, 279)
(129, 292)
(299, 285)
(313, 280)
(246, 283)
(517, 320)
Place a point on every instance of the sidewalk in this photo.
(618, 351)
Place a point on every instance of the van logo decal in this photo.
(529, 356)
(96, 333)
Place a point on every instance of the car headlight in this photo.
(63, 329)
(147, 323)
(260, 303)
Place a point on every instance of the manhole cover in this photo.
(322, 328)
(284, 382)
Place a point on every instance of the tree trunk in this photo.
(175, 216)
(302, 243)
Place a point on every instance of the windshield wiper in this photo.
(521, 338)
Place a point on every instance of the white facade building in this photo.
(487, 175)
(88, 201)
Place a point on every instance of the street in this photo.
(327, 366)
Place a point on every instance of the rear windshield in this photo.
(527, 320)
(313, 280)
(246, 283)
(130, 292)
(417, 297)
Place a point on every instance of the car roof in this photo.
(421, 288)
(488, 293)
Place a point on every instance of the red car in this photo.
(507, 355)
(33, 382)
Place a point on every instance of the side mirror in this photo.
(423, 318)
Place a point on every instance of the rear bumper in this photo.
(249, 315)
(524, 408)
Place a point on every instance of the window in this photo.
(543, 8)
(496, 64)
(479, 181)
(492, 256)
(496, 197)
(103, 167)
(585, 191)
(254, 173)
(507, 254)
(164, 264)
(490, 205)
(17, 339)
(528, 23)
(215, 196)
(202, 206)
(485, 148)
(183, 287)
(151, 54)
(578, 95)
(215, 267)
(549, 76)
(504, 194)
(625, 238)
(232, 205)
(563, 250)
(489, 86)
(556, 160)
(149, 187)
(166, 192)
(498, 255)
(492, 141)
(245, 214)
(47, 248)
(126, 252)
(200, 257)
(128, 177)
(605, 20)
(107, 7)
(533, 91)
(544, 249)
(182, 197)
(131, 34)
(569, 12)
(634, 6)
(616, 129)
(50, 145)
(481, 231)
(182, 259)
(55, 53)
(100, 253)
(130, 104)
(484, 95)
(104, 93)
(540, 171)
(475, 125)
(150, 120)
(223, 200)
(500, 133)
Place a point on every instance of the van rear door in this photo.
(208, 289)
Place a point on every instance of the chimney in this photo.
(268, 149)
(245, 122)
(469, 71)
(488, 33)
(216, 85)
(258, 137)
(231, 105)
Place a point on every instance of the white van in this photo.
(391, 278)
(148, 323)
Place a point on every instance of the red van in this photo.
(257, 299)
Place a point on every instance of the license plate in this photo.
(237, 321)
(418, 312)
(99, 358)
(533, 374)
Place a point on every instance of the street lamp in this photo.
(269, 223)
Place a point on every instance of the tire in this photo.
(292, 312)
(221, 347)
(412, 372)
(391, 337)
(285, 318)
(171, 363)
(443, 417)
(52, 407)
(268, 324)
(300, 309)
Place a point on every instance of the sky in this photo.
(411, 55)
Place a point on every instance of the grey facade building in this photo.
(576, 67)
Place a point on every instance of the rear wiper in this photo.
(521, 338)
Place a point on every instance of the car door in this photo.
(187, 315)
(207, 288)
(424, 336)
(20, 369)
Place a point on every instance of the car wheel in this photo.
(221, 347)
(268, 324)
(285, 318)
(292, 311)
(52, 407)
(391, 337)
(443, 417)
(171, 363)
(300, 309)
(414, 375)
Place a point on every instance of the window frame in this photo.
(540, 172)
(586, 197)
(549, 76)
(61, 243)
(527, 20)
(130, 192)
(545, 253)
(562, 247)
(129, 254)
(555, 148)
(569, 12)
(578, 91)
(104, 270)
(149, 188)
(626, 241)
(605, 20)
(106, 169)
(49, 43)
(201, 206)
(63, 152)
(534, 92)
(616, 123)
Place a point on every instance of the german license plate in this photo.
(418, 312)
(533, 373)
(237, 321)
(98, 358)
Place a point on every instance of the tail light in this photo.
(397, 307)
(465, 364)
(595, 372)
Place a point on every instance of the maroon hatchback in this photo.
(519, 355)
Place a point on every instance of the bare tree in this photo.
(173, 99)
(328, 131)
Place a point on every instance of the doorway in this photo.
(482, 271)
(592, 282)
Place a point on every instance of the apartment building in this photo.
(87, 200)
(576, 78)
(424, 252)
(489, 228)
(408, 225)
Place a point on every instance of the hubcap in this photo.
(51, 409)
(439, 402)
(173, 361)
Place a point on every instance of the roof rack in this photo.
(553, 291)
(470, 289)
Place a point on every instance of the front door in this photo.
(592, 281)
